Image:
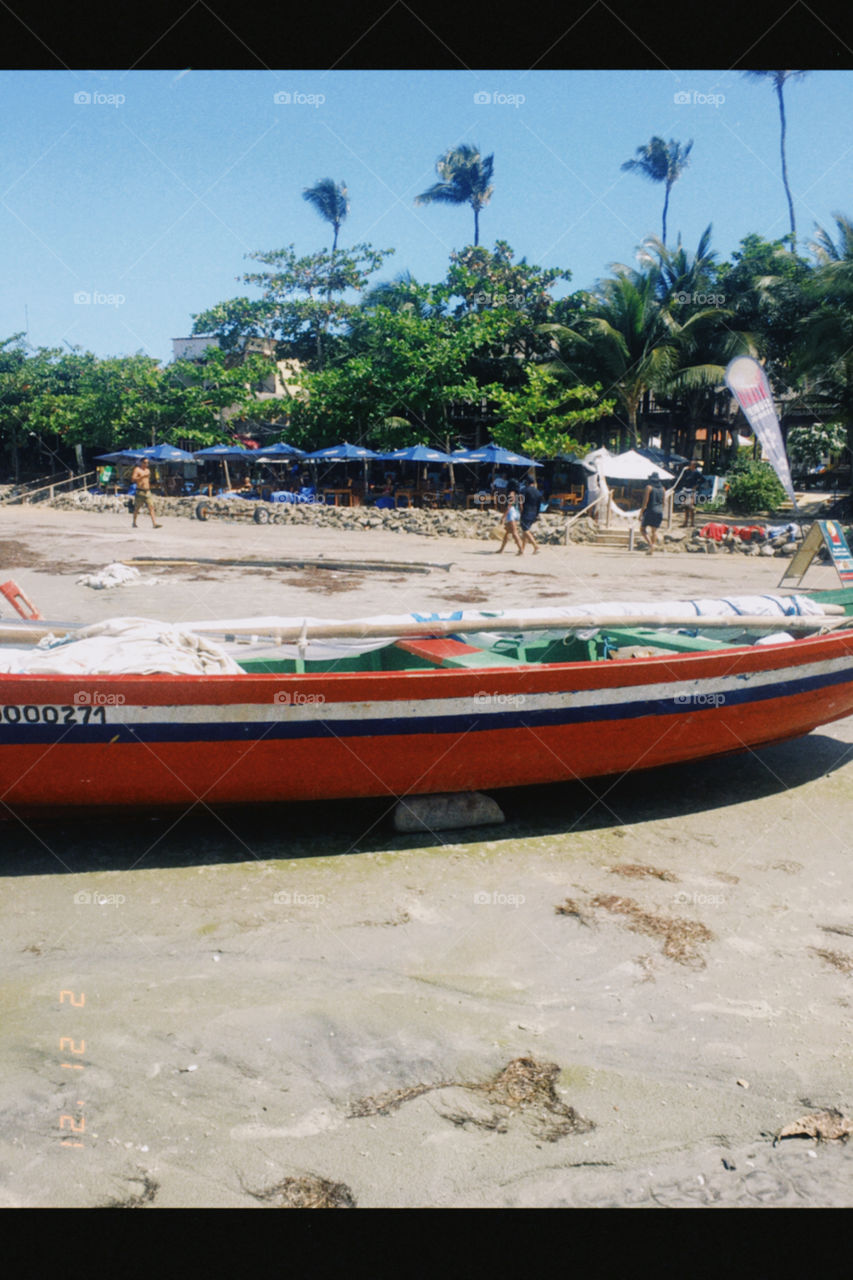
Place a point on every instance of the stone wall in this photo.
(448, 523)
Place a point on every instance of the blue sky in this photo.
(144, 190)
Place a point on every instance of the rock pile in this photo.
(444, 522)
(783, 545)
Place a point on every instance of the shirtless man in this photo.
(141, 477)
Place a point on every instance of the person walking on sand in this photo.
(690, 481)
(510, 522)
(532, 504)
(651, 512)
(141, 477)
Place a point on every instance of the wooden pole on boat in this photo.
(300, 631)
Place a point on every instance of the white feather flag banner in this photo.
(748, 383)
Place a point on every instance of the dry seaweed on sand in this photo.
(523, 1085)
(139, 1199)
(830, 1125)
(496, 1123)
(838, 959)
(681, 937)
(385, 1103)
(526, 1083)
(572, 908)
(307, 1192)
(641, 871)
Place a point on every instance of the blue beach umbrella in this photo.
(122, 455)
(225, 453)
(344, 452)
(418, 453)
(280, 452)
(496, 456)
(167, 453)
(228, 452)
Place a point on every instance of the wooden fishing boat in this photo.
(423, 705)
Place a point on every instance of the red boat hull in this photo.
(178, 740)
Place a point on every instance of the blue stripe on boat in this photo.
(688, 703)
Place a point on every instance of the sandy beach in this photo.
(618, 997)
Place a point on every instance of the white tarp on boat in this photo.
(122, 646)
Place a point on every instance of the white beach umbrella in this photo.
(630, 466)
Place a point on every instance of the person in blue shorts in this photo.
(510, 521)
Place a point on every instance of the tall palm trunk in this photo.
(780, 96)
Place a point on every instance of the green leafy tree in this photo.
(394, 384)
(824, 355)
(545, 417)
(661, 161)
(465, 177)
(304, 304)
(55, 399)
(766, 289)
(23, 382)
(504, 305)
(811, 446)
(779, 79)
(330, 199)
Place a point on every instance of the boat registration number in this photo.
(32, 714)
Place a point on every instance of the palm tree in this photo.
(465, 179)
(780, 79)
(623, 341)
(824, 247)
(661, 161)
(630, 339)
(682, 278)
(331, 201)
(825, 354)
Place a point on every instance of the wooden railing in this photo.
(45, 492)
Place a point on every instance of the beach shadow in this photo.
(82, 843)
(674, 791)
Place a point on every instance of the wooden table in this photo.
(570, 499)
(340, 497)
(408, 494)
